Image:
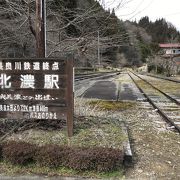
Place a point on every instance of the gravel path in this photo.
(156, 148)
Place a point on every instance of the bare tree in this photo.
(71, 30)
(167, 65)
(14, 30)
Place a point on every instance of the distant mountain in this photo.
(160, 30)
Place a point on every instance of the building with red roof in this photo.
(171, 52)
(170, 49)
(170, 45)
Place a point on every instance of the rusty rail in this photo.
(165, 117)
(165, 94)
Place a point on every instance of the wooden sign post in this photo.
(39, 88)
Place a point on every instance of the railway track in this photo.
(164, 78)
(95, 76)
(170, 88)
(164, 93)
(167, 106)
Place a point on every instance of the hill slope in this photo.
(81, 27)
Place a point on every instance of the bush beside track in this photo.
(53, 156)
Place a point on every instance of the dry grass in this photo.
(93, 128)
(156, 150)
(164, 85)
(168, 87)
(99, 108)
(6, 168)
(112, 105)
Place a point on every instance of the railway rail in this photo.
(165, 94)
(171, 114)
(164, 78)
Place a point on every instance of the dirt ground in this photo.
(155, 147)
(156, 150)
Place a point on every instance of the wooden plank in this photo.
(48, 95)
(70, 98)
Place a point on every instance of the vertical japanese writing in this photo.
(17, 66)
(1, 65)
(27, 81)
(36, 66)
(4, 81)
(51, 81)
(45, 66)
(27, 66)
(55, 66)
(8, 66)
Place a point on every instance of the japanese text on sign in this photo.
(37, 89)
(28, 80)
(35, 66)
(25, 76)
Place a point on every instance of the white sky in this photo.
(155, 9)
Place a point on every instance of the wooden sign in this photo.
(37, 89)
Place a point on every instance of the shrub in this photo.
(99, 159)
(20, 153)
(108, 159)
(81, 160)
(52, 156)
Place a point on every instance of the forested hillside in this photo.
(81, 27)
(160, 30)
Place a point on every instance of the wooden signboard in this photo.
(37, 89)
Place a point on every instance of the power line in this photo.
(171, 14)
(141, 10)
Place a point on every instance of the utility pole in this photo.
(41, 28)
(98, 50)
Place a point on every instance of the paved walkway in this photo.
(106, 90)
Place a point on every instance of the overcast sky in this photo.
(135, 9)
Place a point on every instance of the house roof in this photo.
(170, 45)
